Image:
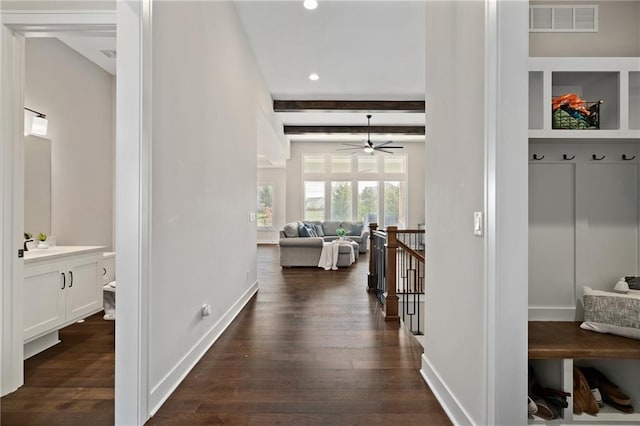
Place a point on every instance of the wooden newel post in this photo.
(371, 278)
(391, 298)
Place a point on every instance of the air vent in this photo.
(563, 19)
(109, 53)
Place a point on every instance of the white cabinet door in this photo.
(84, 291)
(44, 299)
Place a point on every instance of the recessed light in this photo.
(310, 4)
(314, 77)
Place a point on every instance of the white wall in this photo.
(475, 333)
(278, 178)
(415, 167)
(77, 97)
(455, 331)
(204, 174)
(618, 33)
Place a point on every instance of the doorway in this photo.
(14, 25)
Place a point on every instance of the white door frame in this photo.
(12, 202)
(132, 172)
(133, 212)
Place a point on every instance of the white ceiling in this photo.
(91, 47)
(362, 50)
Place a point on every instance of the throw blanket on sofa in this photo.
(329, 254)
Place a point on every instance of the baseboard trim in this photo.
(552, 314)
(450, 404)
(161, 392)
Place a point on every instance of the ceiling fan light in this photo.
(310, 4)
(368, 149)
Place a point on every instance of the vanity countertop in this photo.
(58, 251)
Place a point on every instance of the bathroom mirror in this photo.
(37, 185)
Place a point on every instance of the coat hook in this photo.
(535, 157)
(595, 157)
(625, 158)
(566, 157)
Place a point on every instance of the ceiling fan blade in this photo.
(388, 147)
(350, 149)
(384, 143)
(383, 150)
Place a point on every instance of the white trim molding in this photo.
(506, 206)
(133, 200)
(12, 207)
(176, 375)
(450, 404)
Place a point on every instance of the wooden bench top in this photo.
(565, 339)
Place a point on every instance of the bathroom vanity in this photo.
(62, 284)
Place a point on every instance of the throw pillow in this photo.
(319, 231)
(291, 230)
(613, 313)
(303, 231)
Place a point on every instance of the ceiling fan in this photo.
(368, 146)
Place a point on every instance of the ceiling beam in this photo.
(348, 106)
(401, 130)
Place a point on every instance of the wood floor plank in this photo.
(311, 348)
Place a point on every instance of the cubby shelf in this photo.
(614, 80)
(555, 347)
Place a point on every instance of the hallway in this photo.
(311, 348)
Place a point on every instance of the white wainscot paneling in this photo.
(611, 249)
(551, 241)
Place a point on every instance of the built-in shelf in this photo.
(616, 81)
(555, 347)
(608, 414)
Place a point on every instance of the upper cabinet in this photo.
(614, 81)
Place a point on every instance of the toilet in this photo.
(109, 285)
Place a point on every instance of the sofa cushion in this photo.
(291, 230)
(353, 228)
(318, 226)
(330, 228)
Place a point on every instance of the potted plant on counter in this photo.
(341, 233)
(43, 244)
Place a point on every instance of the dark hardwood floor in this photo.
(311, 348)
(70, 383)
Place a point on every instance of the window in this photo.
(314, 200)
(368, 164)
(394, 204)
(265, 207)
(313, 164)
(366, 188)
(341, 200)
(341, 164)
(394, 165)
(368, 202)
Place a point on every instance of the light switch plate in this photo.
(252, 217)
(478, 224)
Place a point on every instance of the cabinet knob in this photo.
(104, 271)
(71, 279)
(64, 280)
